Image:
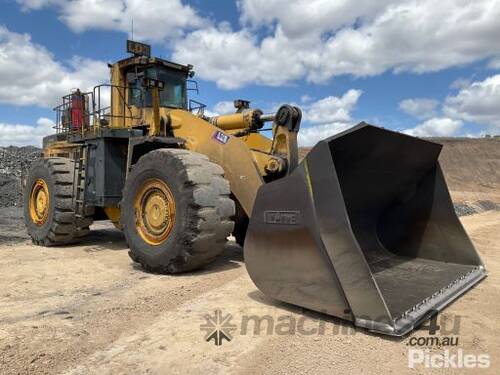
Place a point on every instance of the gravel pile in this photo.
(471, 208)
(464, 209)
(14, 162)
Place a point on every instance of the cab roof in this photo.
(145, 60)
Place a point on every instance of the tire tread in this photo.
(210, 209)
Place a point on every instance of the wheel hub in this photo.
(155, 211)
(39, 202)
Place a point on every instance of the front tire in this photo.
(176, 211)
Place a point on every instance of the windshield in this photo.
(173, 94)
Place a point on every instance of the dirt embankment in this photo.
(471, 167)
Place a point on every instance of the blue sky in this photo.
(415, 66)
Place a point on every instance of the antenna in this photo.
(132, 36)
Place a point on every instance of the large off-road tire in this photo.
(49, 212)
(176, 211)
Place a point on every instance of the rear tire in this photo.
(187, 233)
(53, 223)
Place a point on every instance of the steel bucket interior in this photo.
(401, 215)
(365, 230)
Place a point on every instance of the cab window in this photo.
(173, 95)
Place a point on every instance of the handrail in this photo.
(200, 107)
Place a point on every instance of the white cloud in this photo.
(309, 136)
(220, 108)
(27, 5)
(436, 127)
(460, 83)
(29, 74)
(296, 39)
(300, 18)
(415, 36)
(328, 116)
(154, 20)
(479, 103)
(419, 107)
(25, 135)
(209, 113)
(306, 98)
(332, 109)
(224, 107)
(233, 59)
(320, 39)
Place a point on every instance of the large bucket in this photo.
(364, 229)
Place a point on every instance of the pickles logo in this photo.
(440, 349)
(218, 327)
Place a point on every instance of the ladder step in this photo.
(80, 178)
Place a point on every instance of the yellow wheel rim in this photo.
(39, 202)
(154, 211)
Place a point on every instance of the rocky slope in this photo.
(14, 162)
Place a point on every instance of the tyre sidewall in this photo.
(147, 168)
(39, 170)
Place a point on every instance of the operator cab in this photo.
(141, 69)
(140, 85)
(172, 95)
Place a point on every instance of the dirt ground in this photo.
(88, 309)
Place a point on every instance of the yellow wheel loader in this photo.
(362, 229)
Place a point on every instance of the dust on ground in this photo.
(88, 309)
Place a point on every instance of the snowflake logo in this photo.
(218, 327)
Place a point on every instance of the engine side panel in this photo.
(106, 171)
